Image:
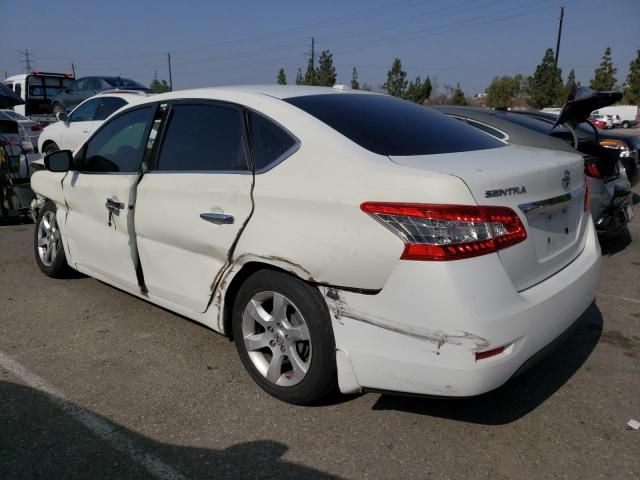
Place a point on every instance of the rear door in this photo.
(101, 195)
(193, 203)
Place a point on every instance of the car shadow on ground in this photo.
(40, 440)
(612, 244)
(521, 394)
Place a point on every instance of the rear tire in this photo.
(49, 147)
(47, 243)
(283, 334)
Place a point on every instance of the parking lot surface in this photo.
(95, 383)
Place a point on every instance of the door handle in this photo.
(114, 206)
(218, 218)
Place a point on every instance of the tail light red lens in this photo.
(448, 232)
(592, 170)
(489, 353)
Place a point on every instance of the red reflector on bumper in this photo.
(489, 353)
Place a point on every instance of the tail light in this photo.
(36, 128)
(448, 232)
(592, 170)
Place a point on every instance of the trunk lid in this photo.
(544, 187)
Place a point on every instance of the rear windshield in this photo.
(390, 126)
(122, 82)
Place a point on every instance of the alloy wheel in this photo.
(48, 238)
(276, 338)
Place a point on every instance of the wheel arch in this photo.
(245, 271)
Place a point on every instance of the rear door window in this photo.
(390, 126)
(271, 143)
(203, 137)
(85, 112)
(108, 105)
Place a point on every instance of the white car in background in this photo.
(343, 239)
(75, 127)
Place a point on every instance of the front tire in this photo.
(47, 243)
(283, 334)
(57, 108)
(50, 147)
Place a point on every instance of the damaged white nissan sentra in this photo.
(341, 238)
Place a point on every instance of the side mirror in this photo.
(59, 161)
(63, 116)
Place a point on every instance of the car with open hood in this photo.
(343, 239)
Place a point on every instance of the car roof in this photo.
(277, 91)
(518, 134)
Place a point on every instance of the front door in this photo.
(191, 206)
(101, 195)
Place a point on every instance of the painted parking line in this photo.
(619, 297)
(97, 425)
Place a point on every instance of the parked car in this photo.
(599, 123)
(32, 129)
(37, 89)
(344, 239)
(15, 194)
(626, 147)
(602, 120)
(606, 184)
(86, 87)
(74, 128)
(628, 114)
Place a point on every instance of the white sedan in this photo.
(343, 239)
(74, 128)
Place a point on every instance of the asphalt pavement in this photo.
(95, 383)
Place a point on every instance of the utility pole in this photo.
(559, 35)
(170, 76)
(313, 52)
(73, 69)
(26, 58)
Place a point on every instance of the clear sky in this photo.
(226, 42)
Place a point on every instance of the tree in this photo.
(458, 97)
(326, 72)
(158, 86)
(418, 91)
(282, 77)
(299, 78)
(366, 87)
(568, 86)
(396, 83)
(632, 91)
(310, 74)
(545, 87)
(501, 91)
(355, 85)
(605, 74)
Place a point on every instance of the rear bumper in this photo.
(420, 333)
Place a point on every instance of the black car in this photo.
(611, 196)
(86, 87)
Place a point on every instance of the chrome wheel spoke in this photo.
(279, 310)
(257, 341)
(43, 241)
(274, 372)
(297, 330)
(256, 312)
(300, 367)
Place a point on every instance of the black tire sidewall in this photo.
(50, 148)
(59, 265)
(320, 380)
